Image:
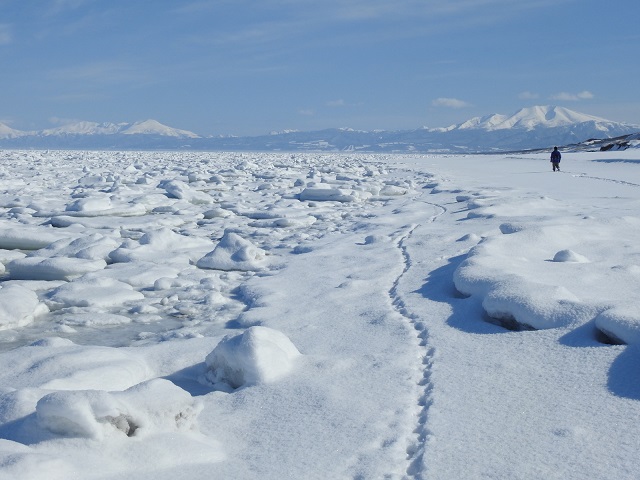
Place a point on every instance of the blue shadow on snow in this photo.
(624, 373)
(467, 312)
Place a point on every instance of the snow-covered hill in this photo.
(7, 132)
(527, 129)
(92, 129)
(84, 128)
(153, 127)
(618, 143)
(533, 118)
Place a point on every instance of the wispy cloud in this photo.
(59, 6)
(450, 103)
(99, 72)
(307, 112)
(572, 97)
(528, 96)
(62, 121)
(339, 103)
(298, 21)
(336, 103)
(5, 34)
(78, 97)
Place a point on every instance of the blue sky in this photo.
(250, 67)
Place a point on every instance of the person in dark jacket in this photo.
(555, 159)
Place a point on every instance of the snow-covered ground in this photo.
(319, 316)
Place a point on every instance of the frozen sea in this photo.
(170, 315)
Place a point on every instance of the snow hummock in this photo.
(569, 256)
(259, 355)
(139, 410)
(19, 306)
(233, 253)
(27, 237)
(621, 323)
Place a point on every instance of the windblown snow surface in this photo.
(319, 316)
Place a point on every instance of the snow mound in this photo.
(95, 319)
(55, 268)
(392, 191)
(55, 363)
(93, 292)
(157, 405)
(90, 204)
(569, 256)
(521, 288)
(524, 305)
(621, 323)
(217, 212)
(509, 228)
(89, 247)
(327, 195)
(98, 206)
(139, 275)
(259, 355)
(27, 237)
(18, 306)
(371, 239)
(233, 253)
(161, 246)
(182, 191)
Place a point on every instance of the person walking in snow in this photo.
(555, 159)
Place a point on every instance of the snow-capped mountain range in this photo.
(528, 128)
(531, 119)
(147, 127)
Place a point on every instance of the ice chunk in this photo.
(27, 237)
(621, 323)
(533, 305)
(83, 413)
(55, 268)
(94, 292)
(58, 364)
(93, 203)
(157, 405)
(182, 191)
(89, 247)
(259, 355)
(18, 306)
(155, 246)
(233, 253)
(327, 194)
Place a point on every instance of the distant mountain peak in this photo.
(7, 132)
(84, 128)
(153, 127)
(530, 118)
